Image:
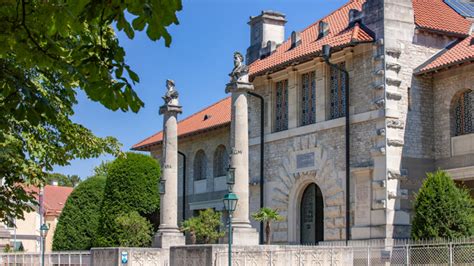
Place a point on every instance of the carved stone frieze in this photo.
(397, 174)
(395, 123)
(395, 142)
(379, 103)
(394, 52)
(394, 95)
(393, 66)
(393, 82)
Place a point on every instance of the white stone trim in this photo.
(200, 205)
(463, 173)
(461, 145)
(319, 126)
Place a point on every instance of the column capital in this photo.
(238, 86)
(167, 108)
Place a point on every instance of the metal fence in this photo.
(81, 258)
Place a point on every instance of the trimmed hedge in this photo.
(79, 220)
(442, 210)
(132, 186)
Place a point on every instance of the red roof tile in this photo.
(213, 116)
(339, 35)
(437, 15)
(54, 198)
(457, 54)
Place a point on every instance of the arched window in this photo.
(200, 166)
(221, 161)
(464, 113)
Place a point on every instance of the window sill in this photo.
(461, 145)
(318, 126)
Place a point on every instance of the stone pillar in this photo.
(168, 233)
(243, 233)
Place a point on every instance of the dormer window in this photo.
(295, 39)
(354, 16)
(323, 29)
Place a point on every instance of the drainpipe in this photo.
(262, 156)
(326, 56)
(184, 184)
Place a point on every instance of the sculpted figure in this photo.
(240, 71)
(171, 96)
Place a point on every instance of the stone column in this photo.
(243, 233)
(168, 233)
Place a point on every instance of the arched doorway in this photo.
(312, 215)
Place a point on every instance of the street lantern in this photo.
(43, 232)
(230, 178)
(230, 203)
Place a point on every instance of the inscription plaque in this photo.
(305, 160)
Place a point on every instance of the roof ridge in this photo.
(332, 13)
(184, 119)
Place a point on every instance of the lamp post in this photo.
(230, 203)
(326, 53)
(43, 232)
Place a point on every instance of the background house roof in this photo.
(55, 198)
(213, 116)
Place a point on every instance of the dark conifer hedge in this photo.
(132, 186)
(442, 210)
(79, 220)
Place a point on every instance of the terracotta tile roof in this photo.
(210, 117)
(54, 198)
(339, 35)
(456, 54)
(438, 16)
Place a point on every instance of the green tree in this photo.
(132, 185)
(79, 220)
(204, 228)
(103, 168)
(442, 210)
(267, 216)
(48, 51)
(63, 180)
(133, 230)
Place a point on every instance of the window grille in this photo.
(200, 166)
(221, 161)
(464, 113)
(338, 92)
(308, 98)
(281, 105)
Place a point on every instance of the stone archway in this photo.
(290, 183)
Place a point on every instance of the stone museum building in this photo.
(410, 81)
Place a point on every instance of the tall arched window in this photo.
(200, 166)
(464, 113)
(221, 161)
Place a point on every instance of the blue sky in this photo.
(199, 60)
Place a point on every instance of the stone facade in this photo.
(401, 127)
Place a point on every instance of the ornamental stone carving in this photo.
(172, 95)
(241, 71)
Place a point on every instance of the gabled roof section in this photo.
(436, 15)
(456, 54)
(339, 35)
(211, 117)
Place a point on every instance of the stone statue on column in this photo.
(168, 234)
(239, 85)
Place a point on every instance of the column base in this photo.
(245, 236)
(166, 239)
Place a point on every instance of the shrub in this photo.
(133, 230)
(442, 210)
(79, 220)
(204, 228)
(132, 186)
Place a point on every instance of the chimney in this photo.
(266, 28)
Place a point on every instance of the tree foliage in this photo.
(267, 216)
(442, 210)
(204, 228)
(48, 51)
(133, 230)
(79, 220)
(132, 185)
(63, 180)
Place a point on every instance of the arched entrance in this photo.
(312, 215)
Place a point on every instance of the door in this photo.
(311, 215)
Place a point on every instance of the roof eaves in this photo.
(443, 32)
(446, 66)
